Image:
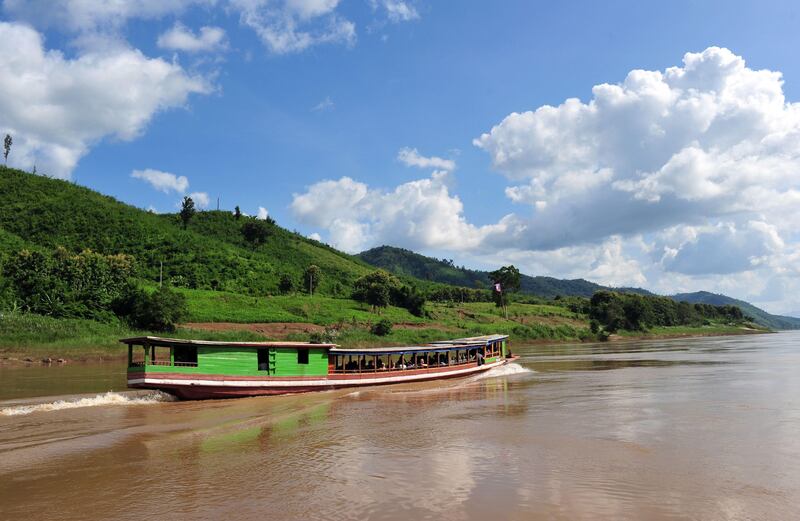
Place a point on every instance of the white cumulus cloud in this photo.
(201, 199)
(162, 181)
(262, 213)
(56, 108)
(706, 140)
(417, 214)
(181, 38)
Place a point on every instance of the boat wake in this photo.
(504, 370)
(109, 398)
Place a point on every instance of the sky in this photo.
(649, 144)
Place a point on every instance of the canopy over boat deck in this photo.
(175, 342)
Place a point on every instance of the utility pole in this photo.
(217, 203)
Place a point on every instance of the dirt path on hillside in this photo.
(268, 329)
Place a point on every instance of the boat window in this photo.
(263, 359)
(186, 356)
(159, 355)
(302, 356)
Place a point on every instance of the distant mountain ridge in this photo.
(405, 262)
(760, 316)
(408, 263)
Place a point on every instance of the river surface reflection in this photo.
(703, 428)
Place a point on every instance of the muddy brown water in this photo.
(705, 428)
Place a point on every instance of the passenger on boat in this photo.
(479, 356)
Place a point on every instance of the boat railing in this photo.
(164, 363)
(396, 369)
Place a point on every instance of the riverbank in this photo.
(33, 339)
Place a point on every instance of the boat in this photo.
(203, 369)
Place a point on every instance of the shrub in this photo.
(157, 311)
(66, 285)
(256, 231)
(286, 284)
(381, 328)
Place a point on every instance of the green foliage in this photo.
(237, 213)
(403, 262)
(376, 289)
(441, 293)
(160, 310)
(410, 298)
(312, 276)
(7, 147)
(256, 231)
(508, 278)
(617, 311)
(41, 213)
(382, 327)
(187, 211)
(62, 284)
(286, 284)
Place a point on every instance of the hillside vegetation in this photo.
(82, 269)
(406, 262)
(759, 315)
(402, 261)
(41, 213)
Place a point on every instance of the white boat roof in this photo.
(442, 345)
(182, 341)
(472, 340)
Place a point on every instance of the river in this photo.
(705, 428)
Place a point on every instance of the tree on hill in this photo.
(376, 289)
(237, 213)
(255, 231)
(286, 284)
(311, 278)
(505, 280)
(160, 310)
(7, 147)
(187, 211)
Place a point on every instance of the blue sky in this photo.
(362, 122)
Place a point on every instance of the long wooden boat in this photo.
(199, 369)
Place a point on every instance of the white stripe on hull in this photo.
(322, 383)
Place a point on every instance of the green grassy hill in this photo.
(38, 212)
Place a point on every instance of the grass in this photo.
(704, 330)
(218, 306)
